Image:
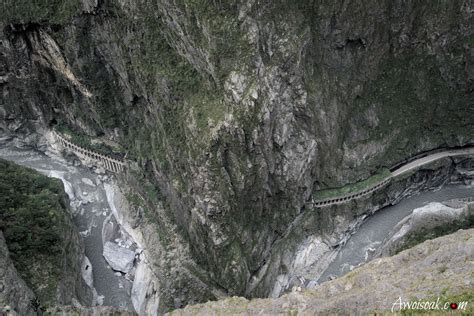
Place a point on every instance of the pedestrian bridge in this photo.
(400, 170)
(105, 161)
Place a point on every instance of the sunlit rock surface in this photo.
(432, 220)
(119, 258)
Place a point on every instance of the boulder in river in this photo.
(119, 258)
(88, 181)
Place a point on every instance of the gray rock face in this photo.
(428, 222)
(144, 299)
(88, 311)
(14, 292)
(87, 272)
(119, 258)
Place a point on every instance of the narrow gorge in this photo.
(269, 150)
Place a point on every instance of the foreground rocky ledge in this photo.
(442, 267)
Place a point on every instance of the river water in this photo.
(90, 208)
(89, 203)
(372, 232)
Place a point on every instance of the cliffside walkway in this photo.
(107, 162)
(394, 173)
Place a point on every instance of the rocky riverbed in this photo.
(426, 222)
(116, 264)
(415, 212)
(109, 273)
(349, 234)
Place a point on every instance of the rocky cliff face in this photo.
(15, 295)
(236, 112)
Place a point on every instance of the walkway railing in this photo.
(348, 197)
(107, 162)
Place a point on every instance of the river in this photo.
(372, 232)
(90, 209)
(89, 203)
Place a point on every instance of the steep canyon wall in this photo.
(237, 111)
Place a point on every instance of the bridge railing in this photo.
(109, 163)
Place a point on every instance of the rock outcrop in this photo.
(430, 221)
(144, 295)
(15, 296)
(119, 258)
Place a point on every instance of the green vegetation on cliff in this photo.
(33, 218)
(412, 96)
(38, 11)
(354, 187)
